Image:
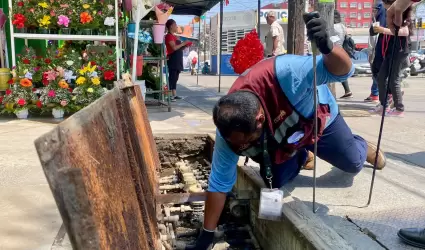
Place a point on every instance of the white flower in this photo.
(70, 63)
(69, 76)
(94, 74)
(109, 21)
(110, 7)
(28, 75)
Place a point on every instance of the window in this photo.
(366, 15)
(353, 14)
(353, 5)
(359, 25)
(367, 5)
(343, 4)
(353, 24)
(365, 25)
(359, 7)
(343, 15)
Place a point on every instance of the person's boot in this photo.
(309, 164)
(413, 236)
(371, 154)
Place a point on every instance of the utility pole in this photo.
(296, 27)
(326, 10)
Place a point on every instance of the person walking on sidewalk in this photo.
(268, 116)
(275, 38)
(398, 57)
(375, 50)
(341, 32)
(174, 56)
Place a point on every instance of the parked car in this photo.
(361, 63)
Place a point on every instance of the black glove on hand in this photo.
(204, 240)
(317, 32)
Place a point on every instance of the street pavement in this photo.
(30, 219)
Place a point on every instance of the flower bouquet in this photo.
(162, 12)
(107, 14)
(19, 98)
(65, 16)
(88, 86)
(45, 15)
(19, 18)
(247, 52)
(56, 95)
(88, 17)
(105, 61)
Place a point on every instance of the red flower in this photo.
(22, 102)
(70, 90)
(1, 99)
(109, 75)
(45, 82)
(21, 4)
(247, 52)
(39, 104)
(47, 60)
(110, 62)
(34, 89)
(93, 63)
(26, 61)
(11, 81)
(19, 21)
(8, 92)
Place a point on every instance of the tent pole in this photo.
(258, 19)
(199, 44)
(220, 49)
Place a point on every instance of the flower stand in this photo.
(158, 33)
(58, 113)
(22, 114)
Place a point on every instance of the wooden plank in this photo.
(181, 198)
(91, 164)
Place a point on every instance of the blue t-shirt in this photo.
(295, 77)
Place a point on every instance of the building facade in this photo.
(356, 13)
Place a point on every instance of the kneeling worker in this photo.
(268, 115)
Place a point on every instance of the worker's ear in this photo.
(260, 120)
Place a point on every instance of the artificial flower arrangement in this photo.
(247, 52)
(56, 95)
(19, 19)
(19, 98)
(88, 86)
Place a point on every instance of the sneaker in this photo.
(172, 98)
(347, 95)
(371, 155)
(309, 163)
(178, 97)
(395, 113)
(391, 100)
(372, 98)
(378, 110)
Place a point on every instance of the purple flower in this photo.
(63, 20)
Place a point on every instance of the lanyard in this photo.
(266, 161)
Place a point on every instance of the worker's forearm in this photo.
(275, 44)
(213, 208)
(338, 62)
(404, 31)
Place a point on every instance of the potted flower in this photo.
(162, 12)
(56, 95)
(44, 15)
(19, 98)
(64, 24)
(19, 19)
(107, 15)
(88, 87)
(88, 20)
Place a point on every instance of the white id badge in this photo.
(271, 202)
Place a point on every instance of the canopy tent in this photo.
(191, 7)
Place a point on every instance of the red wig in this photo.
(247, 52)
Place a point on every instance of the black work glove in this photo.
(317, 32)
(204, 240)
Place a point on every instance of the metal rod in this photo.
(378, 146)
(314, 48)
(199, 44)
(258, 19)
(12, 35)
(220, 49)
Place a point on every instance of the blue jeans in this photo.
(374, 89)
(337, 146)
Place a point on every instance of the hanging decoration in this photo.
(247, 52)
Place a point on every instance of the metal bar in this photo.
(314, 48)
(220, 49)
(258, 19)
(199, 44)
(180, 198)
(30, 36)
(136, 41)
(12, 34)
(117, 40)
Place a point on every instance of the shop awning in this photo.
(191, 7)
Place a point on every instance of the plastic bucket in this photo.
(158, 33)
(139, 64)
(4, 78)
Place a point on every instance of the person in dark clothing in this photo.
(341, 32)
(381, 64)
(174, 56)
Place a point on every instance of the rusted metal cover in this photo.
(101, 167)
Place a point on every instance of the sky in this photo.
(234, 5)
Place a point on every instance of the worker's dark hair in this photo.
(337, 17)
(236, 112)
(169, 23)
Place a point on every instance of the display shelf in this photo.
(65, 37)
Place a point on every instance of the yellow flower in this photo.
(90, 90)
(45, 21)
(86, 6)
(95, 80)
(81, 80)
(74, 98)
(87, 68)
(43, 5)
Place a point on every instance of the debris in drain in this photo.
(180, 225)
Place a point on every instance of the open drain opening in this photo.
(180, 224)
